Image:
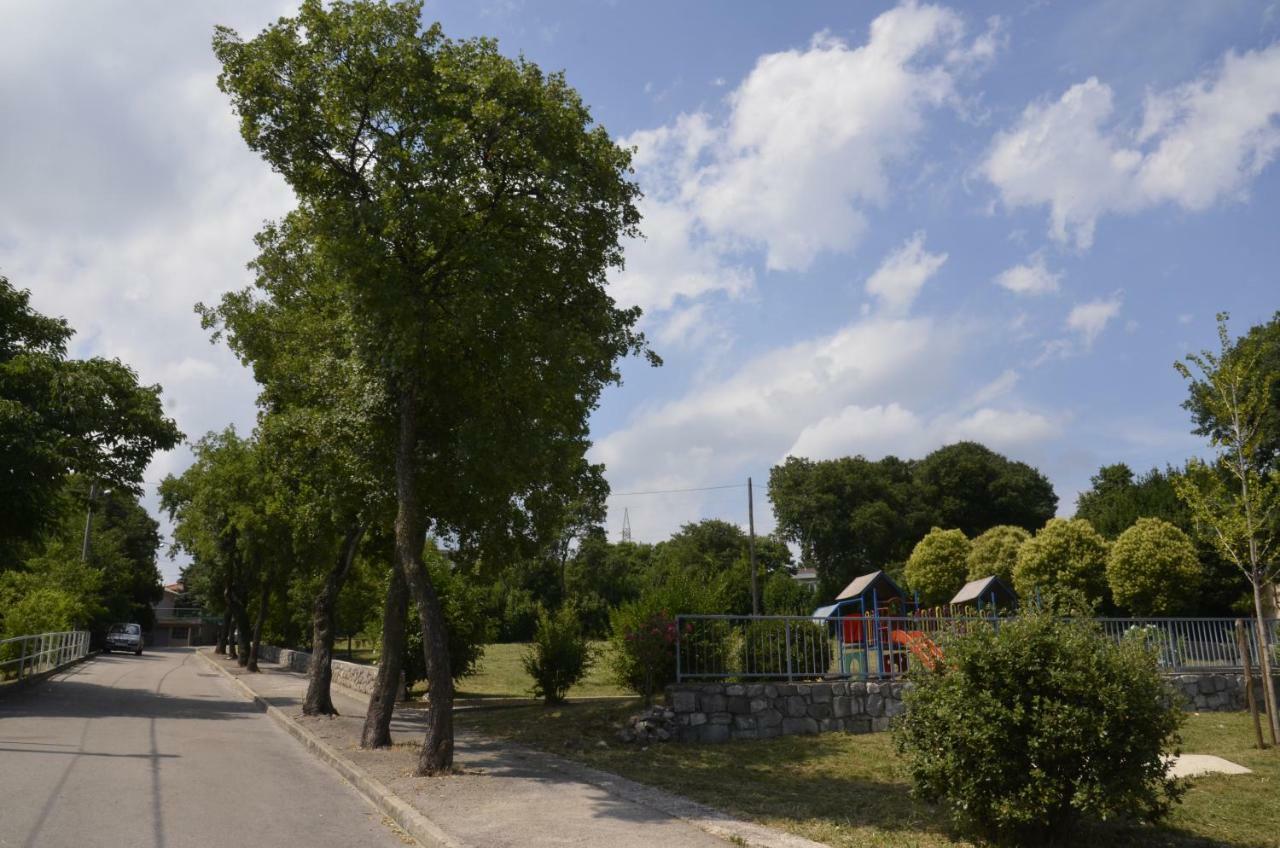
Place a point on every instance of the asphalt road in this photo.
(159, 750)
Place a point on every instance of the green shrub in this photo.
(995, 552)
(1153, 569)
(559, 655)
(763, 647)
(1024, 730)
(1065, 556)
(784, 595)
(643, 658)
(937, 566)
(470, 628)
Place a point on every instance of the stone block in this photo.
(857, 724)
(745, 733)
(755, 690)
(1219, 683)
(796, 726)
(880, 724)
(821, 693)
(735, 689)
(696, 719)
(719, 718)
(841, 707)
(713, 733)
(827, 725)
(1205, 685)
(785, 689)
(769, 718)
(769, 732)
(857, 689)
(770, 691)
(894, 707)
(873, 688)
(738, 705)
(796, 706)
(744, 722)
(714, 702)
(839, 689)
(819, 711)
(758, 705)
(875, 705)
(683, 701)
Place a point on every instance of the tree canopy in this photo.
(60, 416)
(465, 210)
(854, 515)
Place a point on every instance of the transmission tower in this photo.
(626, 525)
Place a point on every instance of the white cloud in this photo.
(128, 194)
(1002, 430)
(1032, 278)
(1199, 144)
(873, 432)
(803, 152)
(1088, 320)
(902, 275)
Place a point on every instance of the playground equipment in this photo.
(879, 630)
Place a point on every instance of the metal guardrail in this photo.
(717, 647)
(42, 652)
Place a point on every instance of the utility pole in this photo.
(88, 522)
(751, 548)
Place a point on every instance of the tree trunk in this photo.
(224, 633)
(241, 616)
(319, 700)
(377, 721)
(263, 598)
(411, 530)
(1264, 666)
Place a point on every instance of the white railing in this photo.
(26, 656)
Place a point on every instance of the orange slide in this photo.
(924, 649)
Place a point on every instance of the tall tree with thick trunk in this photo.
(382, 704)
(319, 700)
(466, 211)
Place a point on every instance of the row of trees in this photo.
(77, 550)
(430, 329)
(1151, 569)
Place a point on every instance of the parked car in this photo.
(124, 637)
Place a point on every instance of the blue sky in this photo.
(870, 227)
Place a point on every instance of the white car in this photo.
(124, 637)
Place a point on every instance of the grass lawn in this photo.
(849, 790)
(501, 675)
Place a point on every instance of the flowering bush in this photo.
(644, 635)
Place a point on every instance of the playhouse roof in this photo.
(977, 589)
(877, 580)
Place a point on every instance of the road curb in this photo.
(426, 832)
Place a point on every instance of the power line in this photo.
(677, 491)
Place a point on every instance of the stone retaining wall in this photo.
(1215, 692)
(360, 678)
(718, 712)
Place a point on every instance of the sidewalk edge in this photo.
(426, 832)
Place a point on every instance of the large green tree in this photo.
(853, 515)
(59, 416)
(469, 210)
(972, 488)
(1117, 499)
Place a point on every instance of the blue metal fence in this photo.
(772, 647)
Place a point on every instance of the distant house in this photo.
(806, 577)
(180, 623)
